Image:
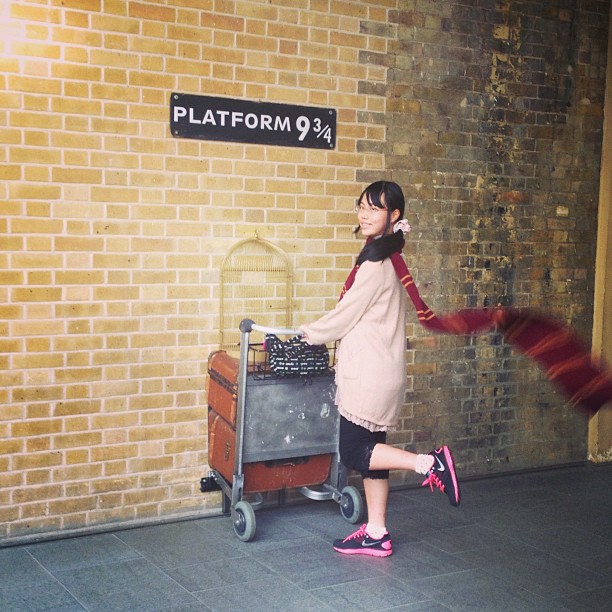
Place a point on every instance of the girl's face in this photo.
(373, 220)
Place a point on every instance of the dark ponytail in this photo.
(389, 195)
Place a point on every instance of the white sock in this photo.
(424, 463)
(375, 531)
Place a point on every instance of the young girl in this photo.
(369, 320)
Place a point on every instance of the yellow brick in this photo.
(103, 194)
(38, 360)
(37, 294)
(11, 278)
(78, 277)
(143, 46)
(115, 468)
(94, 6)
(120, 420)
(10, 311)
(76, 141)
(37, 477)
(11, 446)
(27, 155)
(78, 343)
(106, 23)
(8, 514)
(9, 136)
(38, 413)
(148, 11)
(35, 174)
(30, 525)
(35, 85)
(113, 452)
(37, 445)
(31, 12)
(26, 225)
(148, 496)
(77, 489)
(77, 456)
(37, 509)
(31, 49)
(109, 500)
(152, 464)
(102, 485)
(182, 446)
(69, 506)
(78, 243)
(36, 460)
(83, 37)
(77, 439)
(73, 473)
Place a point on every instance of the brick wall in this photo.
(113, 231)
(494, 123)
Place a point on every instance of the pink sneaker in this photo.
(360, 543)
(443, 476)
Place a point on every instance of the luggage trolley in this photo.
(271, 433)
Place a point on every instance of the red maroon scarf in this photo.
(564, 358)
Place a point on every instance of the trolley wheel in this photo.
(351, 505)
(244, 521)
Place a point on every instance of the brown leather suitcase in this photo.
(222, 385)
(262, 476)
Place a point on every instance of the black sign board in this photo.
(227, 119)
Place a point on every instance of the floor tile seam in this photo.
(53, 575)
(165, 574)
(75, 597)
(318, 591)
(119, 562)
(594, 590)
(27, 587)
(273, 574)
(149, 557)
(312, 594)
(187, 591)
(168, 568)
(392, 572)
(452, 553)
(526, 541)
(526, 554)
(501, 576)
(437, 547)
(556, 596)
(583, 567)
(272, 570)
(279, 577)
(179, 584)
(311, 538)
(500, 583)
(107, 564)
(420, 600)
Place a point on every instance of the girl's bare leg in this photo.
(385, 457)
(376, 493)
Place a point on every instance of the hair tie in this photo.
(402, 226)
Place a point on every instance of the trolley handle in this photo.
(247, 325)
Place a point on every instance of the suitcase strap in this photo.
(223, 382)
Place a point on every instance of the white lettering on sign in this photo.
(221, 118)
(282, 124)
(225, 119)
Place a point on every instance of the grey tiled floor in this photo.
(537, 541)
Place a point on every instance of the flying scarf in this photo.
(559, 352)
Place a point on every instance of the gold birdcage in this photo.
(256, 283)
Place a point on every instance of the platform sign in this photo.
(232, 120)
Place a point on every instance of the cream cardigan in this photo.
(370, 322)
